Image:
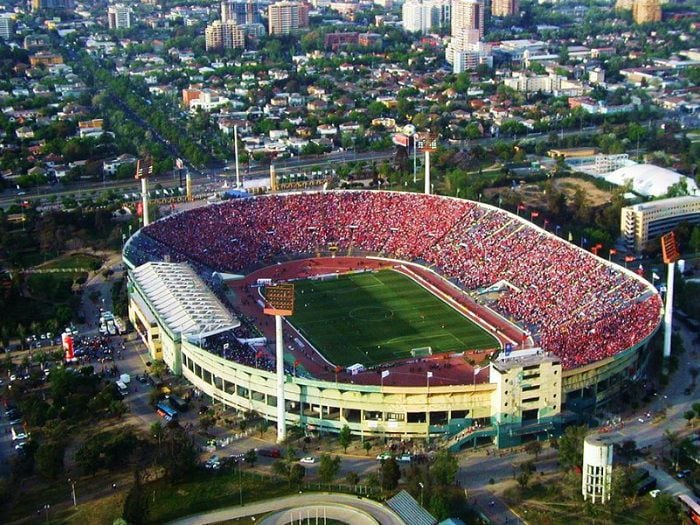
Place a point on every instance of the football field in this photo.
(373, 318)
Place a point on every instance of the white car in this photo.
(20, 436)
(308, 459)
(654, 493)
(383, 456)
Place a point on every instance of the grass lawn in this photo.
(206, 491)
(373, 318)
(76, 260)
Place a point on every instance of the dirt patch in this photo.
(594, 196)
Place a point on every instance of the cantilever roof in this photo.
(181, 299)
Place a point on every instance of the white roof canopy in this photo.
(182, 300)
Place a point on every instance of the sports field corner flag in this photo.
(385, 373)
(430, 374)
(571, 237)
(655, 276)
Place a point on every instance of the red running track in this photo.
(447, 370)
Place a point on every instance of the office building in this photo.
(597, 467)
(224, 35)
(646, 11)
(287, 17)
(505, 7)
(119, 16)
(643, 223)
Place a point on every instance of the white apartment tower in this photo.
(423, 15)
(285, 17)
(7, 27)
(119, 16)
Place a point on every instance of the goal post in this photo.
(422, 351)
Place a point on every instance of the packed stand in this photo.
(576, 305)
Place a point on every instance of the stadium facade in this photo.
(529, 393)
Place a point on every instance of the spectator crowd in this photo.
(576, 305)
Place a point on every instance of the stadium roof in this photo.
(649, 180)
(181, 299)
(409, 510)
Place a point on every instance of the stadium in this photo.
(416, 316)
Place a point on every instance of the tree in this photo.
(328, 468)
(344, 438)
(391, 474)
(664, 509)
(206, 421)
(689, 416)
(48, 459)
(571, 447)
(262, 426)
(367, 444)
(534, 448)
(444, 468)
(352, 478)
(296, 474)
(251, 457)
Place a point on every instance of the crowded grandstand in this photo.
(576, 306)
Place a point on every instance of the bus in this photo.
(690, 507)
(166, 412)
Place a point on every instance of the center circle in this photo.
(371, 314)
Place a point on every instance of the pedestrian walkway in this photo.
(382, 514)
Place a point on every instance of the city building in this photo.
(468, 17)
(643, 223)
(224, 35)
(119, 16)
(423, 15)
(597, 467)
(646, 11)
(467, 29)
(287, 17)
(7, 27)
(505, 7)
(552, 83)
(39, 5)
(240, 12)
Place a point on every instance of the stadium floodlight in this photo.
(144, 169)
(279, 301)
(426, 142)
(669, 250)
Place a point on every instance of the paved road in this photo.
(379, 512)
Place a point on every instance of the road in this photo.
(379, 512)
(212, 179)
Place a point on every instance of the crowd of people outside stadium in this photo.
(575, 304)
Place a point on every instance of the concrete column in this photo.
(279, 347)
(144, 200)
(668, 311)
(427, 172)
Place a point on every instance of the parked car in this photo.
(383, 456)
(308, 459)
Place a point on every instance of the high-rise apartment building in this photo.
(119, 16)
(241, 12)
(423, 15)
(287, 17)
(505, 7)
(7, 27)
(38, 5)
(645, 11)
(224, 35)
(467, 17)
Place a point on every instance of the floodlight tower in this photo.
(235, 150)
(144, 169)
(669, 251)
(279, 301)
(426, 143)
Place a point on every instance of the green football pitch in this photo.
(373, 318)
